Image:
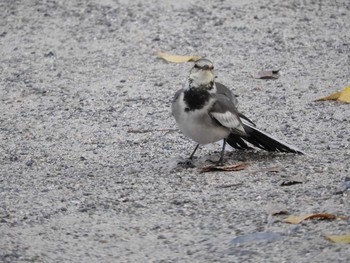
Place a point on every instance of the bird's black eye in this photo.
(196, 66)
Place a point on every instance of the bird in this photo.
(205, 111)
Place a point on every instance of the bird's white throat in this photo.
(201, 78)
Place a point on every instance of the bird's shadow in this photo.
(255, 155)
(251, 156)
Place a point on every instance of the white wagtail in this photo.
(205, 112)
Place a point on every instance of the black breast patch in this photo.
(196, 98)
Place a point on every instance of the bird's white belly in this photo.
(201, 128)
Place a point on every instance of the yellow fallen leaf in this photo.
(333, 96)
(176, 58)
(301, 218)
(339, 239)
(343, 96)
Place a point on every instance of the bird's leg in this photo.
(188, 163)
(221, 160)
(194, 151)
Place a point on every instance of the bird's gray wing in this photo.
(222, 89)
(246, 118)
(225, 112)
(252, 135)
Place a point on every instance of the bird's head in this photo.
(202, 74)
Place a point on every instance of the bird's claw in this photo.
(220, 162)
(188, 163)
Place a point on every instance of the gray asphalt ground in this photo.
(89, 150)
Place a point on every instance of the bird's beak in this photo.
(208, 72)
(207, 76)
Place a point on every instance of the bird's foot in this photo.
(188, 163)
(220, 162)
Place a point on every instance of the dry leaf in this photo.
(339, 239)
(280, 213)
(334, 96)
(267, 74)
(176, 58)
(229, 168)
(292, 180)
(343, 96)
(301, 218)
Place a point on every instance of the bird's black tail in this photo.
(259, 139)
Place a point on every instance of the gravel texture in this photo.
(78, 184)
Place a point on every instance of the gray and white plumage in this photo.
(205, 111)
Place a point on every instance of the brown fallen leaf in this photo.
(176, 58)
(276, 209)
(229, 168)
(342, 96)
(280, 213)
(267, 74)
(301, 218)
(339, 239)
(292, 180)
